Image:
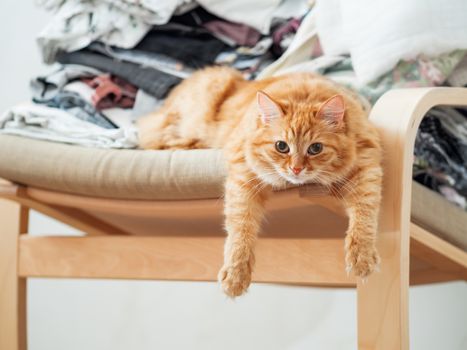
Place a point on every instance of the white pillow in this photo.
(329, 25)
(379, 33)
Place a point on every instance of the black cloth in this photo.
(154, 82)
(195, 47)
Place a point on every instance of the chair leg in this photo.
(383, 300)
(13, 222)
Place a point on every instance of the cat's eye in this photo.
(282, 147)
(315, 148)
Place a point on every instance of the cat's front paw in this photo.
(361, 257)
(235, 279)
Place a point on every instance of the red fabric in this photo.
(111, 91)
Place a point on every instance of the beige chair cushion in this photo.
(123, 174)
(166, 175)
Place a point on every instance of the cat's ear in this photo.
(269, 109)
(332, 110)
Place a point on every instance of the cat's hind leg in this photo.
(184, 143)
(159, 131)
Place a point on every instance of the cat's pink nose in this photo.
(296, 171)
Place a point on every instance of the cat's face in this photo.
(302, 143)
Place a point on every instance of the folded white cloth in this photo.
(380, 33)
(41, 122)
(257, 14)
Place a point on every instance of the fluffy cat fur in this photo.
(217, 108)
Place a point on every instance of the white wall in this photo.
(120, 315)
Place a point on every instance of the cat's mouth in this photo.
(277, 179)
(295, 179)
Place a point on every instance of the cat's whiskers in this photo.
(337, 193)
(255, 178)
(343, 182)
(350, 191)
(258, 187)
(331, 190)
(350, 187)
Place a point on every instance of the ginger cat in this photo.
(291, 129)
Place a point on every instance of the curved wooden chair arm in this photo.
(397, 115)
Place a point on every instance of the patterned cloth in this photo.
(440, 161)
(420, 72)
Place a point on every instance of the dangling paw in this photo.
(361, 257)
(235, 278)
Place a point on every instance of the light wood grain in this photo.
(383, 301)
(13, 221)
(430, 276)
(443, 256)
(295, 261)
(199, 208)
(74, 217)
(423, 272)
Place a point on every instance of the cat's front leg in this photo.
(362, 197)
(244, 206)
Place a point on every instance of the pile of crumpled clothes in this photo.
(118, 59)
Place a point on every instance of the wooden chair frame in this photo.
(186, 240)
